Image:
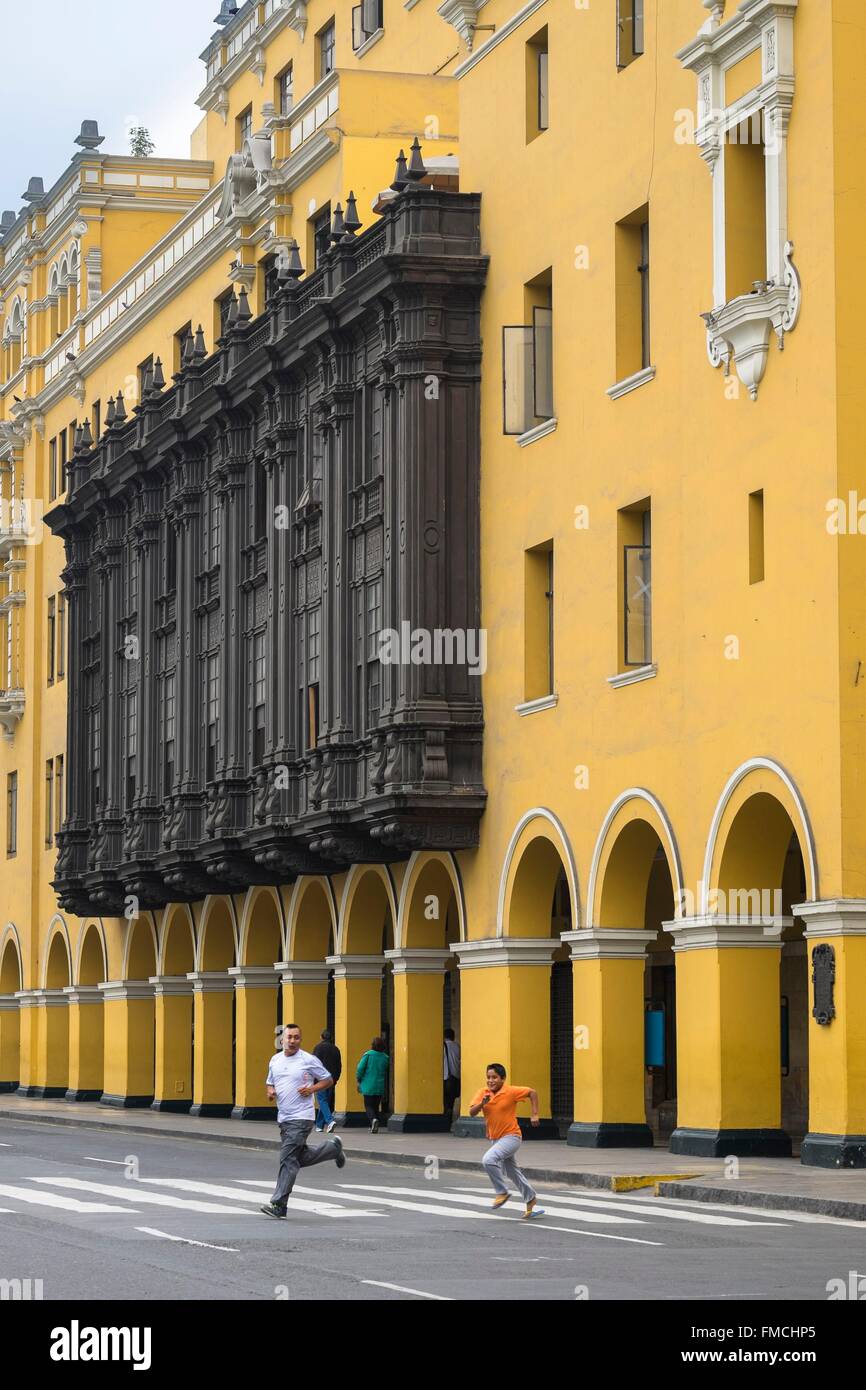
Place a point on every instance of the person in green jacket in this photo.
(372, 1074)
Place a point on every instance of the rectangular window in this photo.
(268, 281)
(538, 636)
(326, 40)
(366, 21)
(319, 236)
(59, 793)
(259, 698)
(182, 337)
(95, 742)
(634, 527)
(314, 637)
(527, 361)
(260, 501)
(64, 456)
(96, 420)
(222, 306)
(212, 705)
(52, 469)
(632, 271)
(169, 732)
(11, 814)
(756, 537)
(244, 127)
(745, 207)
(285, 85)
(537, 91)
(131, 746)
(145, 376)
(213, 530)
(374, 669)
(49, 803)
(61, 636)
(170, 560)
(52, 638)
(629, 31)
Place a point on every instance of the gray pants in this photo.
(499, 1163)
(295, 1154)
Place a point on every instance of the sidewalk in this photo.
(774, 1183)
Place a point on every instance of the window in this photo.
(285, 90)
(131, 745)
(527, 360)
(94, 739)
(169, 732)
(170, 560)
(59, 790)
(374, 668)
(212, 706)
(52, 470)
(632, 270)
(537, 91)
(49, 803)
(319, 236)
(96, 420)
(745, 169)
(756, 537)
(143, 369)
(259, 698)
(629, 31)
(366, 21)
(326, 40)
(244, 126)
(260, 501)
(538, 622)
(269, 281)
(314, 636)
(60, 482)
(222, 306)
(52, 638)
(634, 527)
(213, 530)
(181, 338)
(11, 814)
(70, 449)
(61, 637)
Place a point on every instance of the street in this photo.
(121, 1217)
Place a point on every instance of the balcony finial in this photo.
(119, 409)
(245, 313)
(338, 226)
(158, 375)
(351, 221)
(86, 435)
(416, 168)
(110, 413)
(199, 350)
(401, 178)
(294, 269)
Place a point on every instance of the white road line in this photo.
(118, 1162)
(600, 1218)
(210, 1189)
(809, 1218)
(184, 1240)
(50, 1199)
(5, 1146)
(398, 1288)
(136, 1194)
(644, 1208)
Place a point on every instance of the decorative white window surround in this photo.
(740, 330)
(631, 383)
(286, 13)
(639, 673)
(533, 706)
(376, 35)
(537, 432)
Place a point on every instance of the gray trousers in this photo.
(499, 1164)
(295, 1154)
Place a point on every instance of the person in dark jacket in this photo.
(372, 1077)
(331, 1059)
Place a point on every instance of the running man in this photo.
(293, 1078)
(499, 1104)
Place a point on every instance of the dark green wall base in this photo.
(172, 1107)
(7, 1086)
(469, 1127)
(254, 1112)
(741, 1143)
(43, 1092)
(127, 1102)
(83, 1095)
(605, 1135)
(354, 1119)
(418, 1124)
(834, 1151)
(207, 1111)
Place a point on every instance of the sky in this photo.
(118, 62)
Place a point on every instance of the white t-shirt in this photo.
(286, 1075)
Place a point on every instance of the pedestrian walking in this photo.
(451, 1074)
(294, 1077)
(331, 1059)
(499, 1104)
(371, 1075)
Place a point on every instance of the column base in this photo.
(7, 1086)
(127, 1102)
(741, 1143)
(172, 1107)
(254, 1112)
(42, 1092)
(418, 1124)
(607, 1135)
(209, 1110)
(474, 1127)
(83, 1095)
(834, 1151)
(354, 1119)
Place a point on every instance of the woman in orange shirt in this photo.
(499, 1104)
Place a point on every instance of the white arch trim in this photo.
(539, 813)
(634, 794)
(292, 913)
(403, 905)
(355, 872)
(204, 923)
(10, 933)
(258, 890)
(150, 917)
(100, 931)
(56, 921)
(807, 838)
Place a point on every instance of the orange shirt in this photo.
(500, 1112)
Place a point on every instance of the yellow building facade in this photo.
(662, 927)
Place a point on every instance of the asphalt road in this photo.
(111, 1216)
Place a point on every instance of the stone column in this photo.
(357, 998)
(305, 998)
(255, 1024)
(608, 983)
(86, 1042)
(213, 1000)
(172, 1088)
(10, 1025)
(505, 1017)
(729, 1065)
(419, 976)
(128, 1037)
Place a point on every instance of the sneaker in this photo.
(331, 1126)
(501, 1198)
(374, 1128)
(532, 1208)
(340, 1160)
(271, 1210)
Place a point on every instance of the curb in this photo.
(772, 1201)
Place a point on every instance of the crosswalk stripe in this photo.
(645, 1208)
(430, 1208)
(130, 1194)
(211, 1189)
(51, 1199)
(597, 1217)
(400, 1288)
(185, 1240)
